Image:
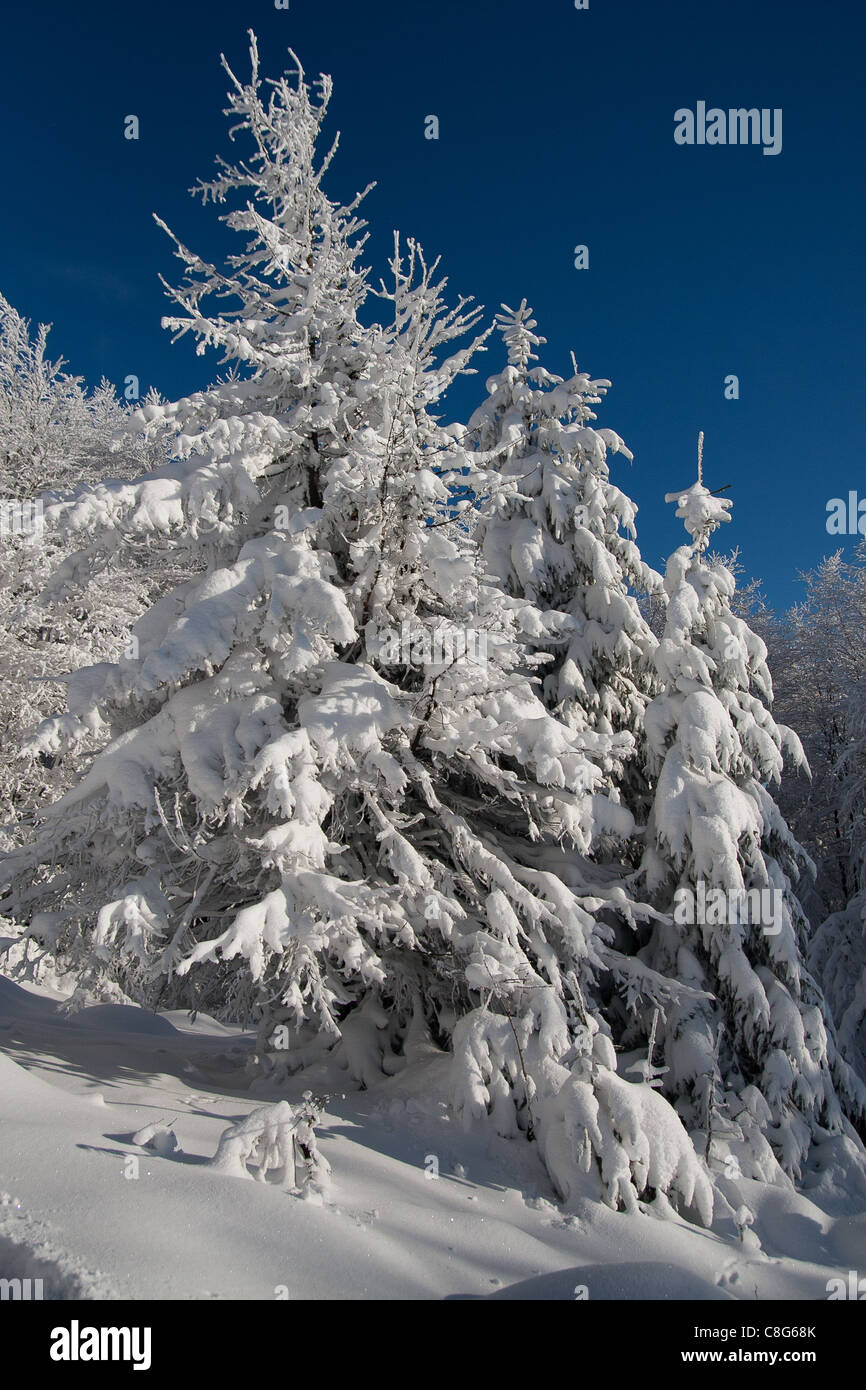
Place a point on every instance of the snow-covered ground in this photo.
(74, 1090)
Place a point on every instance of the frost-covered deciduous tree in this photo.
(720, 862)
(837, 951)
(818, 655)
(54, 433)
(292, 817)
(54, 436)
(831, 632)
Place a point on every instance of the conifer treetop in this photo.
(701, 511)
(517, 327)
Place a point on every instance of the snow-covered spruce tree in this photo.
(554, 529)
(759, 1047)
(296, 816)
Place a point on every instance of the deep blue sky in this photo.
(556, 128)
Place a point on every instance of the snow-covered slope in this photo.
(74, 1091)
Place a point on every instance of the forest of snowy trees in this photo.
(376, 732)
